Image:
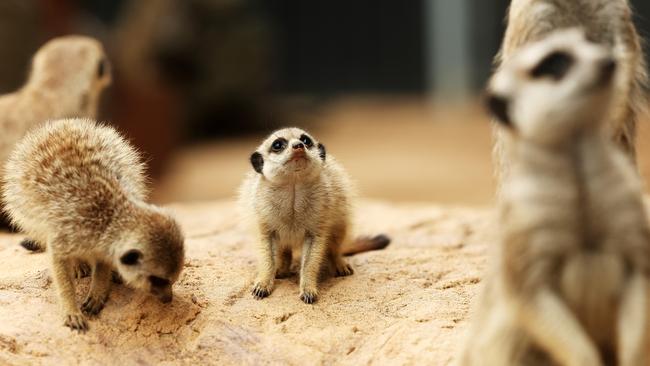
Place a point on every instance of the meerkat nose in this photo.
(298, 145)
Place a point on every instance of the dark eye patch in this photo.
(556, 65)
(278, 145)
(102, 68)
(158, 282)
(307, 141)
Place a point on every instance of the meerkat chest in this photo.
(591, 285)
(293, 211)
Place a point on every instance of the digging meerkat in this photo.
(67, 77)
(606, 22)
(570, 285)
(299, 197)
(78, 186)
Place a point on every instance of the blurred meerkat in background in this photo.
(606, 22)
(570, 285)
(67, 77)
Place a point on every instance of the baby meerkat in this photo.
(299, 197)
(571, 281)
(606, 22)
(79, 187)
(67, 77)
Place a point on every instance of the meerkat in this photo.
(607, 22)
(570, 285)
(67, 77)
(300, 197)
(79, 187)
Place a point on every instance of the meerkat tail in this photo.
(365, 244)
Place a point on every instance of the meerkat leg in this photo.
(340, 265)
(633, 323)
(62, 273)
(283, 257)
(555, 329)
(314, 253)
(100, 287)
(266, 269)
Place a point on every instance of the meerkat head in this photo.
(289, 155)
(75, 65)
(152, 258)
(552, 88)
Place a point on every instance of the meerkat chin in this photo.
(299, 197)
(79, 187)
(606, 22)
(67, 77)
(570, 285)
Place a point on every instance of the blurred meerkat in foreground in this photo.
(299, 197)
(79, 187)
(67, 77)
(606, 22)
(571, 283)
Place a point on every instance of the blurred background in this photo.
(392, 88)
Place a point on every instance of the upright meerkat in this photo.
(571, 280)
(79, 187)
(67, 77)
(299, 197)
(607, 22)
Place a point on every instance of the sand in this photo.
(408, 304)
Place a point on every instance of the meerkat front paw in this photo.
(93, 305)
(76, 322)
(261, 290)
(309, 296)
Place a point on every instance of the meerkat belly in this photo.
(591, 284)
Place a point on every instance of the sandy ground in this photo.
(407, 304)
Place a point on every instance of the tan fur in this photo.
(607, 22)
(302, 203)
(64, 82)
(79, 187)
(570, 285)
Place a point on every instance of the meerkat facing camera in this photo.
(67, 77)
(606, 22)
(77, 186)
(299, 197)
(570, 285)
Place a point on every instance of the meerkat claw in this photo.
(259, 292)
(93, 306)
(76, 322)
(308, 297)
(31, 245)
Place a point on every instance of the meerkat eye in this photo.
(555, 66)
(102, 68)
(278, 145)
(307, 141)
(158, 282)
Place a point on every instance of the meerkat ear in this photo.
(498, 106)
(257, 160)
(131, 257)
(321, 151)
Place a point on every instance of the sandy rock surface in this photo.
(408, 304)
